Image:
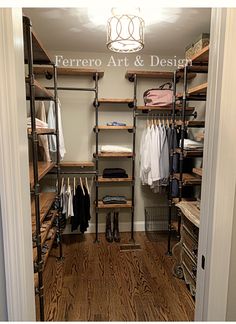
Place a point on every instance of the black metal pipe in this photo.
(73, 89)
(34, 139)
(171, 153)
(96, 104)
(133, 158)
(58, 158)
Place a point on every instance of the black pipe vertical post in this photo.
(133, 157)
(34, 139)
(58, 158)
(171, 153)
(96, 104)
(183, 117)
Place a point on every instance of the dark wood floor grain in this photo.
(97, 282)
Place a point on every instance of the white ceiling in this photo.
(167, 31)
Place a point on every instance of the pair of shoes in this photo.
(115, 234)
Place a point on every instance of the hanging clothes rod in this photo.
(151, 114)
(72, 89)
(74, 172)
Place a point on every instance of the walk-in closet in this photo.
(117, 146)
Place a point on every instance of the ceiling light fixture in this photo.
(125, 31)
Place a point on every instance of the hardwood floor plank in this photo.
(98, 282)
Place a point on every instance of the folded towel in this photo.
(115, 148)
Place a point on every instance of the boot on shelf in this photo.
(116, 233)
(109, 236)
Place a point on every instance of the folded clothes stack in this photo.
(114, 173)
(115, 148)
(114, 200)
(39, 123)
(114, 123)
(189, 144)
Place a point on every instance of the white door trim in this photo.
(218, 185)
(14, 171)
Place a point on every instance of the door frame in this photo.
(14, 171)
(218, 183)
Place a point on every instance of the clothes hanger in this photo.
(74, 186)
(86, 184)
(81, 185)
(68, 182)
(62, 182)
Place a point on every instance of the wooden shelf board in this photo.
(40, 92)
(106, 180)
(43, 169)
(198, 171)
(116, 100)
(46, 200)
(40, 55)
(155, 74)
(43, 70)
(178, 108)
(115, 154)
(191, 153)
(202, 56)
(44, 234)
(200, 89)
(192, 123)
(81, 164)
(101, 205)
(176, 200)
(42, 131)
(115, 127)
(188, 179)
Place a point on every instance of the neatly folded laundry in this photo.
(114, 173)
(114, 123)
(39, 123)
(115, 148)
(114, 200)
(189, 144)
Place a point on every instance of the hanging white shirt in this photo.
(141, 156)
(52, 124)
(43, 139)
(146, 156)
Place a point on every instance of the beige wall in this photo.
(78, 115)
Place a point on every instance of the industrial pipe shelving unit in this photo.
(198, 64)
(42, 204)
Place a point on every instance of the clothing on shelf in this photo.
(189, 144)
(114, 200)
(39, 123)
(43, 139)
(115, 148)
(52, 124)
(114, 173)
(154, 156)
(115, 123)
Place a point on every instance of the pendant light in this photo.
(125, 31)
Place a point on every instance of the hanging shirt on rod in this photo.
(52, 124)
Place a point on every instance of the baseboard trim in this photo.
(123, 227)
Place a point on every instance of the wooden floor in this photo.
(98, 282)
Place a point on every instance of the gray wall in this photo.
(3, 298)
